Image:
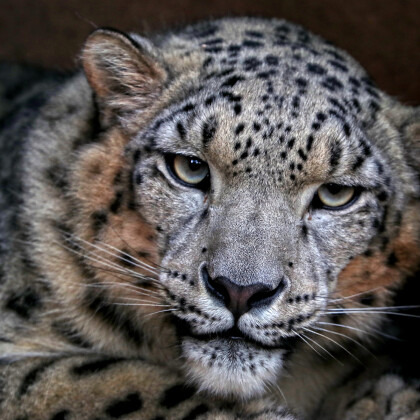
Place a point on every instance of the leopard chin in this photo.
(231, 367)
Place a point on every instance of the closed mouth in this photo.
(235, 336)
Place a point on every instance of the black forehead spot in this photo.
(315, 69)
(338, 65)
(301, 82)
(282, 28)
(335, 54)
(213, 49)
(302, 155)
(271, 60)
(355, 82)
(230, 96)
(214, 41)
(209, 130)
(250, 43)
(181, 130)
(335, 154)
(208, 61)
(254, 34)
(210, 100)
(309, 142)
(232, 81)
(346, 129)
(251, 64)
(239, 128)
(234, 49)
(332, 83)
(337, 104)
(188, 108)
(321, 116)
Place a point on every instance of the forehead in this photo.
(268, 90)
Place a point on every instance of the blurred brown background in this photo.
(384, 35)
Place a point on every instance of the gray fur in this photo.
(275, 112)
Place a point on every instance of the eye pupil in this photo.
(195, 164)
(334, 189)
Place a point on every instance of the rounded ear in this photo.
(406, 119)
(124, 75)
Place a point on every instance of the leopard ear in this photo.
(406, 119)
(123, 72)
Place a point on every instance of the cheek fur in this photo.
(386, 268)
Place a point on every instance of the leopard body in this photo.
(131, 291)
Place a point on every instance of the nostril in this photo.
(214, 287)
(266, 295)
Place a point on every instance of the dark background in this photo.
(384, 35)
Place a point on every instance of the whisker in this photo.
(132, 249)
(367, 312)
(151, 270)
(355, 295)
(323, 348)
(113, 272)
(138, 289)
(139, 304)
(333, 341)
(159, 312)
(313, 348)
(347, 337)
(374, 308)
(139, 263)
(281, 392)
(143, 300)
(104, 262)
(360, 330)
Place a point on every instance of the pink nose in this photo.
(240, 299)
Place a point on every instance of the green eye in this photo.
(335, 196)
(189, 170)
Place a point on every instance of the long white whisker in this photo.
(281, 392)
(140, 304)
(313, 348)
(140, 263)
(333, 341)
(159, 312)
(104, 262)
(323, 348)
(138, 289)
(141, 299)
(363, 312)
(345, 336)
(356, 294)
(128, 245)
(374, 308)
(359, 330)
(78, 239)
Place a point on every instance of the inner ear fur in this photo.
(124, 74)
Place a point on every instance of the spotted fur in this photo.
(127, 292)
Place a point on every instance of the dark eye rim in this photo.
(203, 185)
(317, 204)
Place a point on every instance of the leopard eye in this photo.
(334, 196)
(188, 170)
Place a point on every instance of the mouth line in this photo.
(235, 335)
